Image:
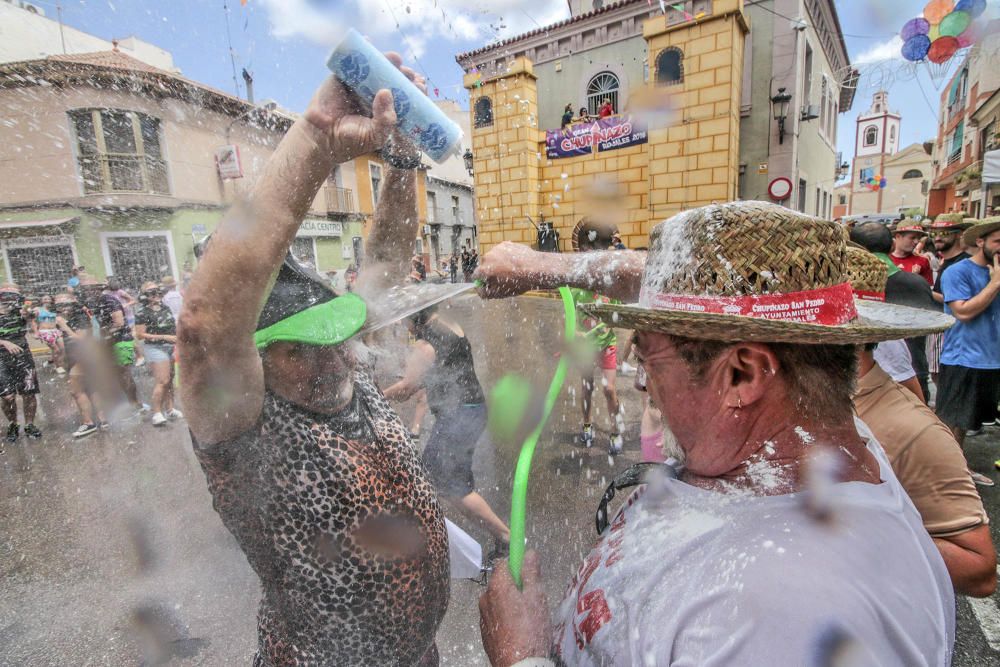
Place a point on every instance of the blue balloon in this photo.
(975, 8)
(914, 27)
(915, 49)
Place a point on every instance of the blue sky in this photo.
(283, 42)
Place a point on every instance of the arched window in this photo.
(603, 86)
(871, 136)
(892, 133)
(913, 173)
(484, 112)
(670, 67)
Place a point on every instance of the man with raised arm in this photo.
(768, 546)
(308, 466)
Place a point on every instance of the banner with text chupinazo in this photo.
(607, 134)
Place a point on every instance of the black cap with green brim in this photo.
(302, 308)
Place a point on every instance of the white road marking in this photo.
(988, 616)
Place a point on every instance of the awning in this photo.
(991, 167)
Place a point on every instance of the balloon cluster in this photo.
(945, 27)
(876, 183)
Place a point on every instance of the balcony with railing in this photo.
(123, 172)
(437, 215)
(339, 200)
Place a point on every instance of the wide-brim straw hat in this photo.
(951, 222)
(909, 225)
(755, 271)
(976, 232)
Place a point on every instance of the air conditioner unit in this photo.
(427, 230)
(810, 112)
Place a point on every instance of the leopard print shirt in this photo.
(297, 492)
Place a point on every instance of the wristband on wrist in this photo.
(399, 162)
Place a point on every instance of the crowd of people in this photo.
(448, 268)
(603, 111)
(780, 448)
(798, 501)
(98, 333)
(955, 273)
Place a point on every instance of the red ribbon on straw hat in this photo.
(830, 306)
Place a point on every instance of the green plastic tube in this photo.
(519, 499)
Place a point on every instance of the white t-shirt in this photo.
(173, 300)
(894, 358)
(689, 577)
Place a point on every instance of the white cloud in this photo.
(424, 23)
(881, 52)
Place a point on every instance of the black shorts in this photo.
(450, 447)
(17, 373)
(967, 397)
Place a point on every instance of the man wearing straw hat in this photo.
(969, 386)
(768, 547)
(902, 288)
(906, 236)
(946, 235)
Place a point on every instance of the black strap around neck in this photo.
(632, 476)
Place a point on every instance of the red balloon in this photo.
(942, 49)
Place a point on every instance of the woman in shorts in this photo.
(441, 362)
(156, 328)
(45, 329)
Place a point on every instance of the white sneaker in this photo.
(145, 408)
(141, 361)
(158, 419)
(627, 368)
(175, 414)
(60, 370)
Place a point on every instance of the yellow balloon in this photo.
(934, 32)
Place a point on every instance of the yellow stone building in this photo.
(692, 162)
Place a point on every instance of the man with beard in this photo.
(946, 235)
(969, 385)
(905, 239)
(308, 466)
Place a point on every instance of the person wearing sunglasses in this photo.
(155, 327)
(18, 376)
(308, 465)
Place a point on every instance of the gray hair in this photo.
(820, 377)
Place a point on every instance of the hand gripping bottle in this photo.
(363, 69)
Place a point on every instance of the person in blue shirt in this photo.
(969, 379)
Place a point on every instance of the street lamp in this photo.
(780, 105)
(467, 156)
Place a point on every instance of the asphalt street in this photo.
(110, 544)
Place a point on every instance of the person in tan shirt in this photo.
(932, 469)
